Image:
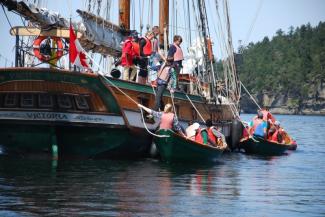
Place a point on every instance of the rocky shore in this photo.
(284, 103)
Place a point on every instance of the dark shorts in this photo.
(143, 63)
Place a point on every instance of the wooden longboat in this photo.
(176, 148)
(85, 115)
(259, 146)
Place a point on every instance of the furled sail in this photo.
(101, 36)
(43, 17)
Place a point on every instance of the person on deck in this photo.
(127, 58)
(145, 52)
(175, 53)
(165, 73)
(259, 126)
(215, 137)
(168, 119)
(155, 41)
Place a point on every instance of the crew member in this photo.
(145, 52)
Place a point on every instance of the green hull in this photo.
(25, 139)
(70, 141)
(175, 148)
(261, 147)
(23, 134)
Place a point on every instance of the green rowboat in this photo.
(176, 148)
(259, 146)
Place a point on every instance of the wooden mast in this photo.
(124, 13)
(163, 19)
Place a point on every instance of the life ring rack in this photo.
(44, 58)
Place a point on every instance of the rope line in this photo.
(195, 107)
(250, 95)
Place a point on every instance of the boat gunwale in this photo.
(209, 147)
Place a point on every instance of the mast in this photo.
(124, 13)
(203, 30)
(163, 20)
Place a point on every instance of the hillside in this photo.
(287, 72)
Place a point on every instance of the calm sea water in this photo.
(238, 185)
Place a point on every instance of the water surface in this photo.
(237, 185)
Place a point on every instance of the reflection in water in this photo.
(237, 185)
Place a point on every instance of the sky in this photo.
(251, 20)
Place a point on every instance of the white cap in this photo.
(277, 123)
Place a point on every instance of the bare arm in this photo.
(145, 108)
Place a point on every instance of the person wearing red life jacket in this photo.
(127, 59)
(215, 137)
(167, 118)
(145, 52)
(201, 136)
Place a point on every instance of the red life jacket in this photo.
(147, 49)
(178, 54)
(127, 53)
(136, 49)
(166, 121)
(198, 136)
(267, 116)
(211, 136)
(274, 137)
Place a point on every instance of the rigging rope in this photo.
(253, 22)
(250, 95)
(195, 107)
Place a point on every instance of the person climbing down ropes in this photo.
(168, 119)
(215, 137)
(145, 52)
(165, 73)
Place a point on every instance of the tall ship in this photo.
(61, 112)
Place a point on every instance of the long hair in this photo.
(168, 108)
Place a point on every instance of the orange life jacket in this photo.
(166, 121)
(178, 54)
(147, 49)
(274, 137)
(267, 116)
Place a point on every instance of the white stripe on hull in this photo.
(62, 117)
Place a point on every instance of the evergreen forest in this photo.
(291, 62)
